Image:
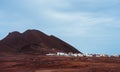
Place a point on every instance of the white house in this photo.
(51, 54)
(80, 55)
(60, 54)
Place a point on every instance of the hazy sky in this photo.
(92, 26)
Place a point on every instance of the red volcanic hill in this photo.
(34, 42)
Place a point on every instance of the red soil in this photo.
(31, 63)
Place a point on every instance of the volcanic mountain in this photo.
(34, 42)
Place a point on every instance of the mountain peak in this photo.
(33, 31)
(14, 33)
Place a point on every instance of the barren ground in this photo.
(37, 63)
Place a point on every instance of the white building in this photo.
(50, 54)
(115, 55)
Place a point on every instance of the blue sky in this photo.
(92, 26)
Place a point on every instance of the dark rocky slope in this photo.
(34, 42)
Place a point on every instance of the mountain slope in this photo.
(34, 42)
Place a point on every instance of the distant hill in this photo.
(34, 42)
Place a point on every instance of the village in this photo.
(70, 54)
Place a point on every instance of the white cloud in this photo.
(77, 23)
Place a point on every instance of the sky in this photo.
(91, 26)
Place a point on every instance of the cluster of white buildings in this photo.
(79, 55)
(64, 54)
